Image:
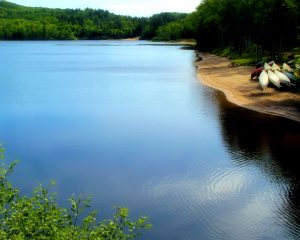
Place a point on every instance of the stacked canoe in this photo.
(278, 76)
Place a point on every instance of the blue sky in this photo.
(124, 7)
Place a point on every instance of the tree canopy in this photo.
(272, 25)
(152, 25)
(31, 23)
(35, 23)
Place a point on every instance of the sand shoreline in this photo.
(235, 83)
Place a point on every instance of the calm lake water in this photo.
(129, 123)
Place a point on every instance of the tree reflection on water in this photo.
(271, 144)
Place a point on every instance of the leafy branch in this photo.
(40, 217)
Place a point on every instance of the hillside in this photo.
(27, 23)
(35, 23)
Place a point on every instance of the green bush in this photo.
(40, 217)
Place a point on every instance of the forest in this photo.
(28, 23)
(32, 23)
(266, 25)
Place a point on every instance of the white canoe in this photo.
(282, 78)
(275, 67)
(286, 68)
(263, 79)
(274, 79)
(267, 66)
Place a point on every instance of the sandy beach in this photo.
(239, 89)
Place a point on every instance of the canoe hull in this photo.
(267, 66)
(290, 76)
(274, 79)
(263, 79)
(282, 78)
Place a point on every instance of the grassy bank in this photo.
(252, 55)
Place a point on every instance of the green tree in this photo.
(272, 24)
(20, 23)
(158, 20)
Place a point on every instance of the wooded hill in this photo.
(28, 23)
(272, 25)
(34, 23)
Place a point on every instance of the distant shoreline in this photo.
(191, 42)
(129, 39)
(235, 83)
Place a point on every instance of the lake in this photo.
(129, 123)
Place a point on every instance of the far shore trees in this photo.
(266, 25)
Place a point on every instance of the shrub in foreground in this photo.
(40, 217)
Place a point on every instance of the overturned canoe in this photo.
(256, 72)
(274, 79)
(286, 68)
(282, 78)
(275, 67)
(263, 79)
(290, 76)
(267, 66)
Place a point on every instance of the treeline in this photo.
(272, 25)
(28, 23)
(150, 29)
(181, 29)
(33, 23)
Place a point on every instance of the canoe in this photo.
(275, 67)
(263, 79)
(282, 78)
(286, 68)
(261, 64)
(290, 76)
(274, 79)
(256, 72)
(271, 62)
(267, 66)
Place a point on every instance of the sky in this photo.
(123, 7)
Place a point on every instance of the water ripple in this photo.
(225, 203)
(224, 183)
